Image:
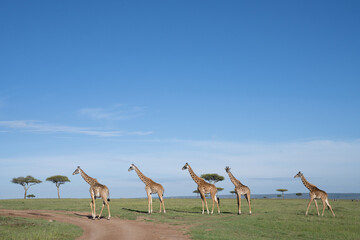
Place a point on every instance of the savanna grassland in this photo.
(15, 228)
(271, 218)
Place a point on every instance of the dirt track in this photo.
(103, 229)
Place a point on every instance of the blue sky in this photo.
(266, 87)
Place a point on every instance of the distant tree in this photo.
(282, 190)
(298, 194)
(232, 192)
(197, 192)
(212, 177)
(26, 182)
(58, 180)
(30, 196)
(219, 189)
(278, 195)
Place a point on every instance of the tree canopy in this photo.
(26, 182)
(30, 196)
(219, 189)
(282, 190)
(58, 180)
(212, 177)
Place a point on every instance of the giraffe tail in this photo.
(218, 199)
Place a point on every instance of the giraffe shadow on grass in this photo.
(87, 215)
(175, 210)
(134, 210)
(197, 212)
(83, 215)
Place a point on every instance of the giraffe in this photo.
(240, 189)
(315, 193)
(203, 188)
(97, 190)
(151, 187)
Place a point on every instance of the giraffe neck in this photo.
(142, 176)
(233, 179)
(87, 178)
(194, 176)
(307, 184)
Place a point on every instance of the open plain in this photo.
(271, 219)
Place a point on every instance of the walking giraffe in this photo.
(203, 188)
(240, 189)
(97, 190)
(151, 187)
(315, 193)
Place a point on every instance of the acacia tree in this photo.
(219, 189)
(30, 196)
(212, 177)
(58, 180)
(26, 182)
(282, 190)
(197, 192)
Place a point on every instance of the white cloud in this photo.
(37, 126)
(118, 112)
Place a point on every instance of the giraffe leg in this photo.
(162, 202)
(238, 198)
(93, 213)
(317, 209)
(328, 204)
(247, 196)
(108, 207)
(324, 204)
(202, 201)
(102, 208)
(307, 210)
(239, 202)
(207, 209)
(151, 203)
(213, 202)
(91, 206)
(149, 197)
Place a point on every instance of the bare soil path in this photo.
(105, 229)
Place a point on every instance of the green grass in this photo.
(271, 219)
(25, 228)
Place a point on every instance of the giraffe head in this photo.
(186, 166)
(132, 167)
(227, 169)
(298, 175)
(77, 170)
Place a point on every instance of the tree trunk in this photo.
(25, 192)
(58, 192)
